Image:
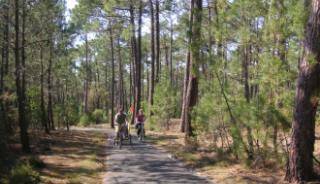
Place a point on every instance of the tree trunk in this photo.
(107, 84)
(152, 72)
(219, 37)
(97, 86)
(157, 46)
(113, 75)
(6, 38)
(136, 63)
(121, 82)
(192, 90)
(300, 166)
(86, 83)
(187, 71)
(42, 103)
(171, 52)
(49, 82)
(23, 122)
(4, 61)
(131, 79)
(210, 41)
(166, 57)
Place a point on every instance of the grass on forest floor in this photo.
(221, 167)
(66, 157)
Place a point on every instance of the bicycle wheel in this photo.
(142, 135)
(120, 142)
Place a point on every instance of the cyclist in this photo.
(140, 118)
(121, 122)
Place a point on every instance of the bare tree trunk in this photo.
(300, 166)
(192, 90)
(113, 75)
(49, 82)
(4, 62)
(187, 71)
(86, 83)
(219, 40)
(97, 86)
(107, 85)
(42, 103)
(7, 38)
(23, 122)
(121, 82)
(136, 63)
(152, 72)
(131, 80)
(166, 56)
(210, 41)
(157, 46)
(171, 52)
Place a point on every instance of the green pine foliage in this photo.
(84, 120)
(98, 116)
(165, 105)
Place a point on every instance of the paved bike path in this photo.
(143, 163)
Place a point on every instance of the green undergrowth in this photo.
(24, 171)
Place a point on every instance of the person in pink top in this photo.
(140, 118)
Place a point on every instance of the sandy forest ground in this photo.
(222, 168)
(75, 157)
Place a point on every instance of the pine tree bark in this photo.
(42, 102)
(113, 75)
(49, 82)
(152, 69)
(300, 166)
(171, 53)
(136, 63)
(157, 41)
(192, 90)
(23, 122)
(86, 83)
(96, 86)
(187, 70)
(131, 77)
(4, 61)
(6, 38)
(121, 81)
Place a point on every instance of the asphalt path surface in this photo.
(142, 162)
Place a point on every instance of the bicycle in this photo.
(122, 134)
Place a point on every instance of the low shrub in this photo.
(23, 173)
(98, 116)
(84, 120)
